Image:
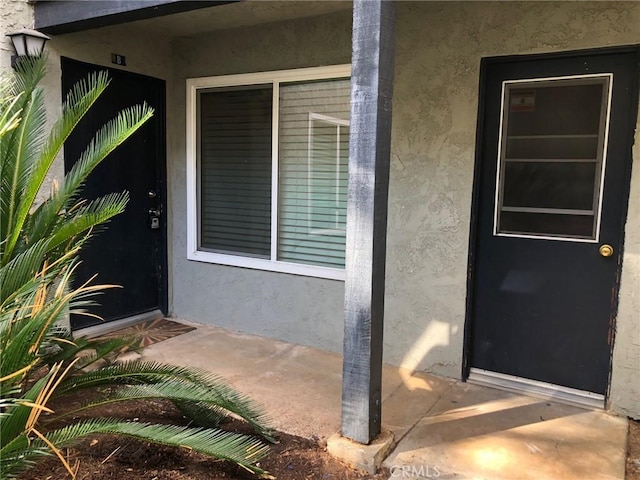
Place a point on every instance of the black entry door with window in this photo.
(131, 250)
(553, 183)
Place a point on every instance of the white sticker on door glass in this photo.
(551, 157)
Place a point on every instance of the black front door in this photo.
(553, 183)
(130, 251)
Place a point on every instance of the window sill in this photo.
(267, 265)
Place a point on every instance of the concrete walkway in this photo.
(443, 428)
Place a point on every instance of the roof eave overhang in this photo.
(56, 17)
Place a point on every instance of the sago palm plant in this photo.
(39, 243)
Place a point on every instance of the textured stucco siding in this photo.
(294, 308)
(14, 15)
(625, 376)
(439, 47)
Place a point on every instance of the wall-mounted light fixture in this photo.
(27, 43)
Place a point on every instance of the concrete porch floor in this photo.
(443, 428)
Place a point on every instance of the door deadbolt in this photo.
(154, 218)
(606, 250)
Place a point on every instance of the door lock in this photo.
(606, 250)
(154, 218)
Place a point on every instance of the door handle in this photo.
(605, 250)
(154, 212)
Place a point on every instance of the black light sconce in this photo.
(26, 43)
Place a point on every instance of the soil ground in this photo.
(109, 457)
(104, 457)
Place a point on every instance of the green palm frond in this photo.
(21, 269)
(45, 220)
(23, 415)
(202, 414)
(27, 286)
(29, 73)
(94, 213)
(105, 141)
(18, 426)
(77, 103)
(29, 324)
(238, 448)
(14, 422)
(93, 350)
(80, 99)
(169, 382)
(139, 372)
(241, 449)
(10, 116)
(19, 151)
(24, 143)
(20, 458)
(82, 96)
(142, 372)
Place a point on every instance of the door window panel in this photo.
(552, 157)
(549, 185)
(536, 223)
(574, 147)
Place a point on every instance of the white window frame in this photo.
(601, 173)
(274, 78)
(336, 122)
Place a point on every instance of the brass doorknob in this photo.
(606, 250)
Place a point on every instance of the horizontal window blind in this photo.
(235, 170)
(313, 172)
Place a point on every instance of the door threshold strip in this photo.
(536, 388)
(108, 327)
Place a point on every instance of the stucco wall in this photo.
(145, 54)
(14, 15)
(439, 47)
(435, 105)
(625, 378)
(298, 309)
